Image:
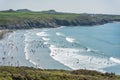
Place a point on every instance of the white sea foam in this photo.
(59, 34)
(52, 46)
(72, 59)
(27, 57)
(33, 62)
(45, 42)
(115, 60)
(26, 45)
(70, 39)
(88, 50)
(27, 38)
(60, 27)
(45, 39)
(42, 34)
(26, 51)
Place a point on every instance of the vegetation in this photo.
(26, 73)
(23, 19)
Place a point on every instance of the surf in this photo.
(42, 34)
(69, 39)
(115, 60)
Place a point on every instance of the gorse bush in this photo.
(26, 73)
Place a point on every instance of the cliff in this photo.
(51, 19)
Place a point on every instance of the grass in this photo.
(11, 18)
(20, 17)
(26, 73)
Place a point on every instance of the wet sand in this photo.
(2, 32)
(13, 52)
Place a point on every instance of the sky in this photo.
(74, 6)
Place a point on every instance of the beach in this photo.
(70, 48)
(15, 51)
(3, 32)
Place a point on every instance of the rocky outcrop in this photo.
(80, 22)
(54, 23)
(30, 24)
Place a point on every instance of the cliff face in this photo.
(54, 23)
(28, 20)
(29, 25)
(77, 22)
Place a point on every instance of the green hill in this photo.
(26, 19)
(25, 73)
(23, 10)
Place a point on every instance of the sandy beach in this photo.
(17, 50)
(2, 32)
(61, 49)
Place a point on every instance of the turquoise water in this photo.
(101, 42)
(93, 48)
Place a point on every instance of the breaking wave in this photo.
(70, 39)
(60, 34)
(115, 60)
(71, 58)
(26, 50)
(42, 34)
(45, 39)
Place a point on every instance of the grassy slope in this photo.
(25, 73)
(22, 18)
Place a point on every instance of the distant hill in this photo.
(50, 11)
(55, 12)
(23, 10)
(10, 10)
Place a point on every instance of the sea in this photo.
(68, 48)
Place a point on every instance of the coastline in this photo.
(29, 20)
(55, 23)
(20, 43)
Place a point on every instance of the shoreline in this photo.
(3, 32)
(57, 24)
(19, 39)
(19, 46)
